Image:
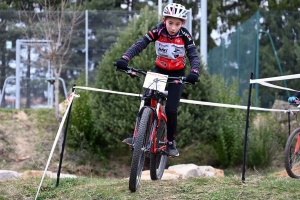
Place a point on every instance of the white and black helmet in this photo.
(175, 10)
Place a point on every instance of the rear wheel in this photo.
(139, 153)
(292, 154)
(158, 161)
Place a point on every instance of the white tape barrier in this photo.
(233, 106)
(276, 86)
(71, 96)
(107, 91)
(190, 101)
(277, 78)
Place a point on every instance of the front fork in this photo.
(153, 136)
(152, 145)
(136, 125)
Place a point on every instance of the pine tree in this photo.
(114, 115)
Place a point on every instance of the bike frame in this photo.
(160, 115)
(297, 144)
(149, 121)
(157, 114)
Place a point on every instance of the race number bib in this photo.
(155, 81)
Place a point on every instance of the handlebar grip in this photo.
(115, 63)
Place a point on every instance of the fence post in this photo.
(246, 130)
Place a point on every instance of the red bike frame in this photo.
(160, 115)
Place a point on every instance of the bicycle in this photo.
(150, 132)
(292, 153)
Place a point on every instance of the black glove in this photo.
(192, 78)
(122, 64)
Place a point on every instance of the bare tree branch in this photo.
(58, 26)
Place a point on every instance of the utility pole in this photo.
(203, 34)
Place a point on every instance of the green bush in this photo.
(266, 141)
(114, 115)
(116, 119)
(196, 123)
(81, 131)
(231, 122)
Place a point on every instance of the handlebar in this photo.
(132, 72)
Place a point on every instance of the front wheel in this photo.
(140, 146)
(292, 154)
(158, 161)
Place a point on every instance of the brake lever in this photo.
(132, 74)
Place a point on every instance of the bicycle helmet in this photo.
(175, 10)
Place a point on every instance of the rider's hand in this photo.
(192, 77)
(122, 64)
(293, 99)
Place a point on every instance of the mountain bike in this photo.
(150, 132)
(292, 154)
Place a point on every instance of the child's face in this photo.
(173, 25)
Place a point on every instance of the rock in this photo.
(219, 173)
(187, 170)
(184, 171)
(39, 174)
(283, 105)
(168, 175)
(7, 174)
(35, 174)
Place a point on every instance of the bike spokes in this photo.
(140, 149)
(292, 154)
(158, 160)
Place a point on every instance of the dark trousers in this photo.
(174, 94)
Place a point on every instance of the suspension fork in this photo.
(138, 116)
(153, 138)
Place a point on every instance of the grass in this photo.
(36, 134)
(194, 188)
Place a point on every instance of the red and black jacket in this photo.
(170, 50)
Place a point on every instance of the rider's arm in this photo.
(191, 50)
(141, 44)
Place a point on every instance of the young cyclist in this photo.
(294, 98)
(172, 43)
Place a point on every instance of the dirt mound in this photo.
(25, 139)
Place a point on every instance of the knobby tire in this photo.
(138, 157)
(158, 161)
(291, 159)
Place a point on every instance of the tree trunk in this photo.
(56, 90)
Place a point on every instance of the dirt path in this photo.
(21, 142)
(16, 143)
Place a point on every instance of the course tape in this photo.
(276, 86)
(190, 101)
(70, 98)
(107, 91)
(277, 78)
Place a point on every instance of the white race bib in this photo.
(155, 81)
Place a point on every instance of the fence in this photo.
(264, 45)
(26, 77)
(34, 72)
